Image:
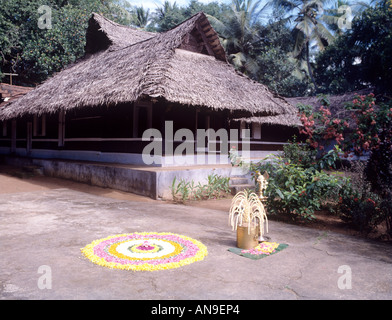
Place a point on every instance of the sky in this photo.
(153, 4)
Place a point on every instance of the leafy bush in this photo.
(370, 134)
(361, 209)
(386, 209)
(299, 153)
(357, 204)
(295, 190)
(216, 187)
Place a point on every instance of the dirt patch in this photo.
(15, 180)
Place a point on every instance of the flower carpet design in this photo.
(145, 251)
(264, 249)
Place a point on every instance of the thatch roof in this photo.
(10, 93)
(336, 102)
(336, 106)
(102, 33)
(291, 120)
(184, 65)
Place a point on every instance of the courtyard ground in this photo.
(46, 221)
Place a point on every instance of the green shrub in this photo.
(299, 154)
(216, 187)
(302, 154)
(360, 209)
(357, 204)
(386, 209)
(295, 190)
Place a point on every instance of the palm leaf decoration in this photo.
(247, 210)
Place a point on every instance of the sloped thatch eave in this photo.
(216, 84)
(337, 102)
(290, 120)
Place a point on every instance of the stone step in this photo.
(234, 181)
(25, 172)
(241, 187)
(34, 170)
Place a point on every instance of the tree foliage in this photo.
(170, 14)
(361, 57)
(35, 53)
(277, 68)
(308, 29)
(277, 47)
(239, 34)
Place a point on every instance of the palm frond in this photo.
(321, 34)
(247, 209)
(306, 26)
(300, 41)
(288, 5)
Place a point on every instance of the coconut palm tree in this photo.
(363, 5)
(308, 27)
(141, 17)
(167, 16)
(238, 35)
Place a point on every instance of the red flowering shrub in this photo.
(320, 126)
(369, 122)
(359, 206)
(370, 135)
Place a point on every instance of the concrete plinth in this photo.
(154, 182)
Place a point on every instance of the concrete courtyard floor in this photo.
(48, 225)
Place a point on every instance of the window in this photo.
(39, 126)
(245, 130)
(142, 118)
(256, 130)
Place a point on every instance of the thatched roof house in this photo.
(101, 107)
(185, 65)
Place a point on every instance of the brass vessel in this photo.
(247, 239)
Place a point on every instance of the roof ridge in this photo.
(200, 13)
(211, 39)
(103, 33)
(94, 14)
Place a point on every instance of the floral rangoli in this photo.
(145, 251)
(263, 248)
